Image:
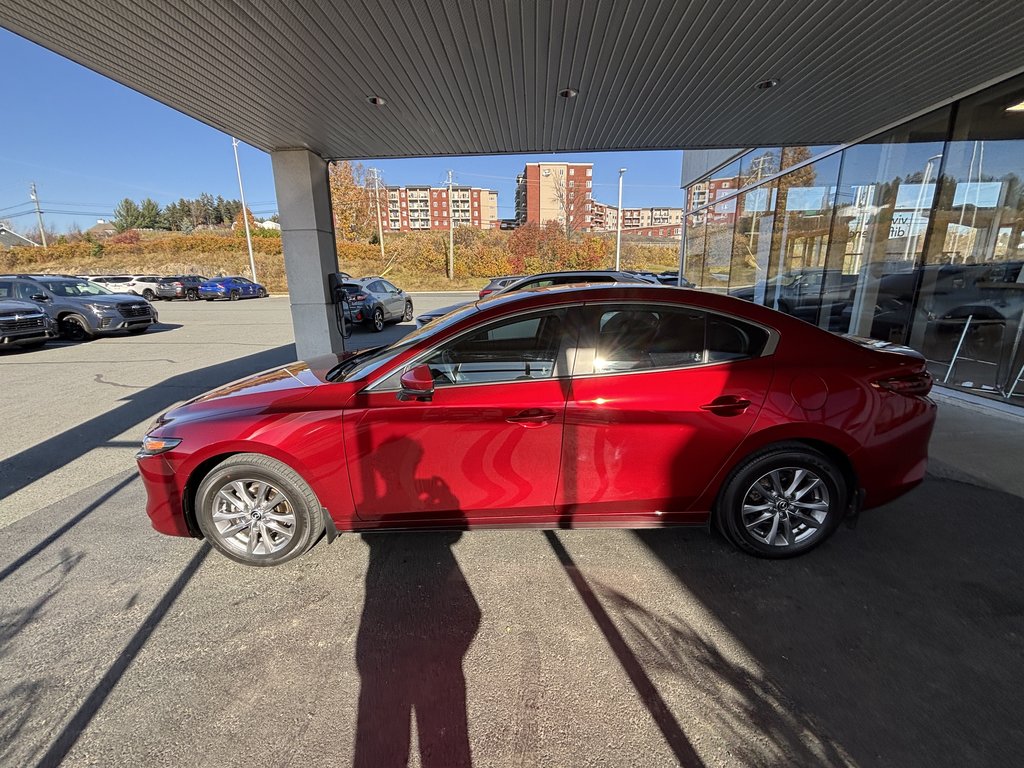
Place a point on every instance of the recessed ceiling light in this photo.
(377, 101)
(1016, 107)
(764, 85)
(568, 93)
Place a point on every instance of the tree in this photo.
(353, 202)
(573, 197)
(127, 215)
(149, 214)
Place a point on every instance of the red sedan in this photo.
(606, 405)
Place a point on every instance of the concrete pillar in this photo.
(307, 237)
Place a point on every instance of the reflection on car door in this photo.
(486, 446)
(656, 407)
(394, 300)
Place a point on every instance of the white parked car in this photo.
(145, 286)
(113, 283)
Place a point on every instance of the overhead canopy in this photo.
(483, 76)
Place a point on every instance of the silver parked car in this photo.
(375, 302)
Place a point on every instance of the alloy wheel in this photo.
(786, 506)
(253, 517)
(378, 319)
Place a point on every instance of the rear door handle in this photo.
(726, 405)
(532, 417)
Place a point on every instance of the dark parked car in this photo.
(375, 302)
(80, 308)
(232, 288)
(497, 283)
(180, 287)
(22, 323)
(543, 280)
(802, 292)
(597, 406)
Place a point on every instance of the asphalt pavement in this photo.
(898, 643)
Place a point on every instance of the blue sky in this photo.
(87, 142)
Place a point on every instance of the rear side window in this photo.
(636, 338)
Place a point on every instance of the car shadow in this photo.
(31, 464)
(900, 640)
(419, 619)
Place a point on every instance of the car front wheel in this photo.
(407, 316)
(257, 510)
(75, 328)
(782, 502)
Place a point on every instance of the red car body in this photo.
(627, 449)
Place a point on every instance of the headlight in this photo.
(152, 446)
(100, 309)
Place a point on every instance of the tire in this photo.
(263, 293)
(776, 523)
(148, 295)
(235, 295)
(407, 316)
(377, 320)
(297, 514)
(191, 295)
(75, 328)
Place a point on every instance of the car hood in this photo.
(15, 307)
(112, 299)
(279, 388)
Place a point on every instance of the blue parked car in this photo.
(233, 288)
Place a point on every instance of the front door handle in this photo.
(532, 417)
(727, 405)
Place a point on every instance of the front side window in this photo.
(6, 289)
(23, 290)
(521, 349)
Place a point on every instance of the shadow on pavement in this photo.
(902, 640)
(60, 747)
(40, 460)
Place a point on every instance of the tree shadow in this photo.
(900, 639)
(419, 620)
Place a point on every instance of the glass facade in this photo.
(913, 236)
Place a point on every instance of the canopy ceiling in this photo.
(469, 77)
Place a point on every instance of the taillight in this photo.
(486, 292)
(359, 297)
(914, 384)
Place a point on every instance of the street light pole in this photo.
(618, 224)
(451, 231)
(380, 224)
(245, 212)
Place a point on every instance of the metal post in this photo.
(618, 224)
(682, 251)
(956, 352)
(451, 231)
(245, 212)
(380, 225)
(39, 213)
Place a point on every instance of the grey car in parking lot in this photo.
(80, 308)
(374, 301)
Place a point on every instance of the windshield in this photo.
(75, 288)
(367, 361)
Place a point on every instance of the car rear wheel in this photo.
(407, 317)
(257, 510)
(377, 319)
(75, 328)
(263, 293)
(148, 295)
(782, 501)
(235, 295)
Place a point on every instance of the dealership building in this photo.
(912, 235)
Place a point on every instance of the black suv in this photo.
(22, 323)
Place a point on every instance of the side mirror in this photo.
(39, 297)
(417, 384)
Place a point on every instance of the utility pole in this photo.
(380, 225)
(245, 211)
(618, 224)
(39, 213)
(451, 230)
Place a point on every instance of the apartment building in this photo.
(556, 192)
(412, 209)
(708, 191)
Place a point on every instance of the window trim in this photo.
(586, 355)
(565, 356)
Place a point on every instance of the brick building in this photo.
(556, 192)
(413, 209)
